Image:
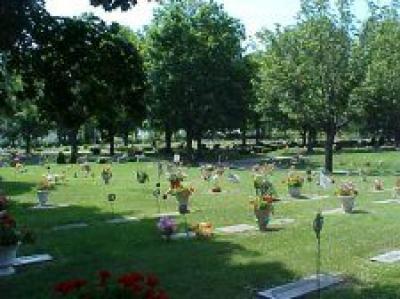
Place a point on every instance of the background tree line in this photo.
(189, 70)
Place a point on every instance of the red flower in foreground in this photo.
(104, 276)
(66, 287)
(130, 279)
(152, 281)
(7, 221)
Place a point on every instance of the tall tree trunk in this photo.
(243, 137)
(168, 139)
(198, 141)
(258, 130)
(329, 142)
(112, 143)
(397, 138)
(189, 140)
(126, 138)
(28, 143)
(311, 140)
(74, 145)
(304, 137)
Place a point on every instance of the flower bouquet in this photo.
(263, 185)
(347, 193)
(203, 230)
(142, 177)
(106, 174)
(378, 185)
(175, 179)
(295, 183)
(263, 208)
(10, 238)
(182, 194)
(207, 171)
(129, 285)
(3, 202)
(167, 227)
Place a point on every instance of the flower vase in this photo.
(294, 192)
(106, 179)
(347, 203)
(43, 197)
(262, 218)
(8, 254)
(183, 205)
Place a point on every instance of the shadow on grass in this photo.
(214, 268)
(356, 289)
(13, 188)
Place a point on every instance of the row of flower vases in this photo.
(347, 202)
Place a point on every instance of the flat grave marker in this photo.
(166, 214)
(235, 229)
(122, 220)
(49, 207)
(32, 259)
(282, 221)
(300, 288)
(388, 201)
(179, 236)
(338, 211)
(70, 226)
(388, 258)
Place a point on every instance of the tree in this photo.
(381, 86)
(314, 71)
(121, 93)
(66, 59)
(192, 49)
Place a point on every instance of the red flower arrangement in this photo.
(129, 285)
(3, 201)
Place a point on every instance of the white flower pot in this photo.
(43, 197)
(7, 256)
(106, 178)
(295, 192)
(347, 203)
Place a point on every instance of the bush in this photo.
(95, 151)
(103, 160)
(61, 158)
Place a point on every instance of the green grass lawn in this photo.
(231, 266)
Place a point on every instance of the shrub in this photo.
(95, 151)
(61, 158)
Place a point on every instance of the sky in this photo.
(254, 14)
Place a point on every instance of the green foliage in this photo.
(192, 50)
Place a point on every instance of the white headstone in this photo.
(177, 158)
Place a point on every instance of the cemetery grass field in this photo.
(227, 266)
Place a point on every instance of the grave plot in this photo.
(300, 288)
